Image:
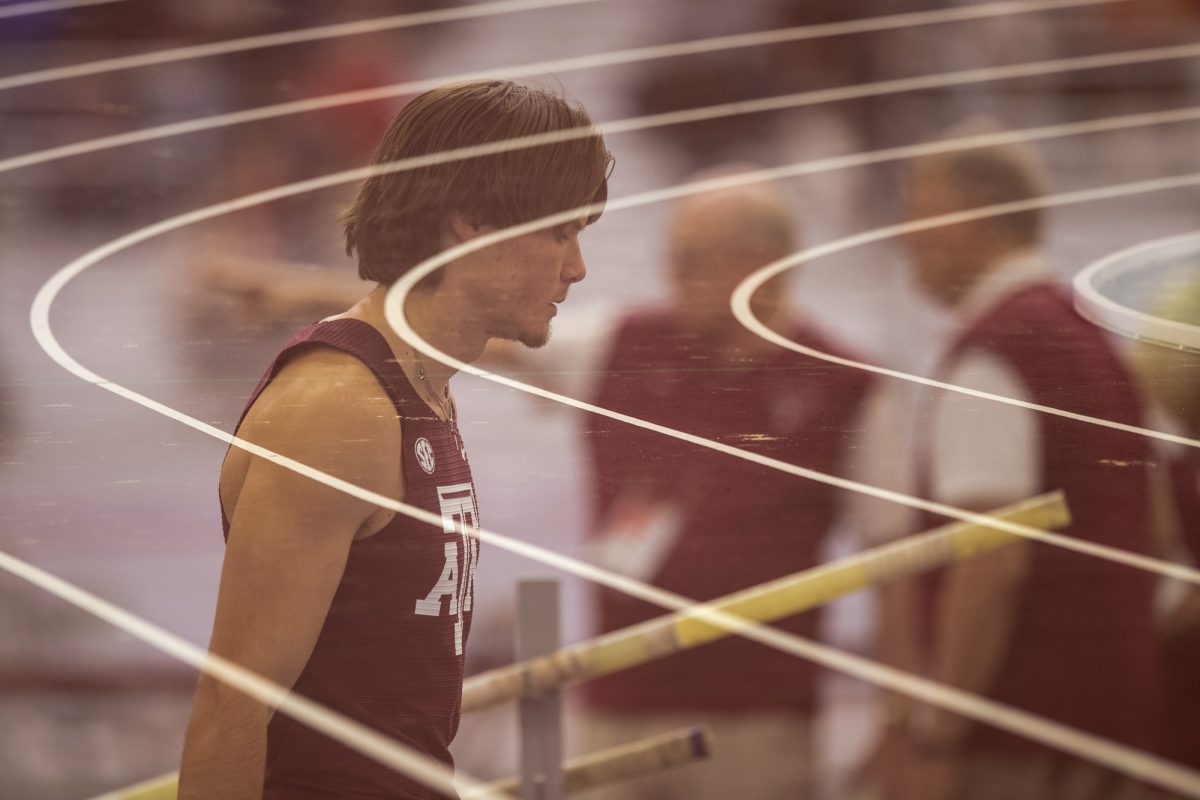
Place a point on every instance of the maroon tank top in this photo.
(1082, 649)
(390, 654)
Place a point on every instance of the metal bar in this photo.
(540, 713)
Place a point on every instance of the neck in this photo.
(434, 318)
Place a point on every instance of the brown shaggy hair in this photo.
(397, 220)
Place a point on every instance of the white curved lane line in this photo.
(1092, 748)
(43, 6)
(1108, 313)
(740, 300)
(395, 316)
(1053, 734)
(314, 34)
(780, 102)
(40, 310)
(331, 723)
(1115, 756)
(399, 291)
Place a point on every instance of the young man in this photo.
(358, 608)
(1064, 635)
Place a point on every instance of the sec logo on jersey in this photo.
(424, 451)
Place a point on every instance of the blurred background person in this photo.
(1060, 634)
(1170, 378)
(701, 523)
(271, 268)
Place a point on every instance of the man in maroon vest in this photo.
(1171, 380)
(1057, 633)
(361, 609)
(704, 524)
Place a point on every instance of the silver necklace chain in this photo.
(443, 401)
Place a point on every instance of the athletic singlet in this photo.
(390, 654)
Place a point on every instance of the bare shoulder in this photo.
(322, 393)
(328, 411)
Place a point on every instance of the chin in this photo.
(530, 337)
(535, 339)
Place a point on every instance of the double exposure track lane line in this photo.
(742, 296)
(300, 36)
(40, 310)
(353, 734)
(46, 6)
(616, 58)
(1116, 756)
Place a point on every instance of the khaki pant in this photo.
(758, 756)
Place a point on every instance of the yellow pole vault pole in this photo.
(768, 602)
(165, 787)
(643, 757)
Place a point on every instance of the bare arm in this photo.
(975, 623)
(288, 543)
(983, 458)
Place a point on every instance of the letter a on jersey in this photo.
(456, 584)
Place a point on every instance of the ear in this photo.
(463, 229)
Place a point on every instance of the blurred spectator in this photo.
(111, 103)
(1171, 380)
(276, 265)
(701, 523)
(1057, 633)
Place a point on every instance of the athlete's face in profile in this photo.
(527, 278)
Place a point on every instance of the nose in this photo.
(574, 270)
